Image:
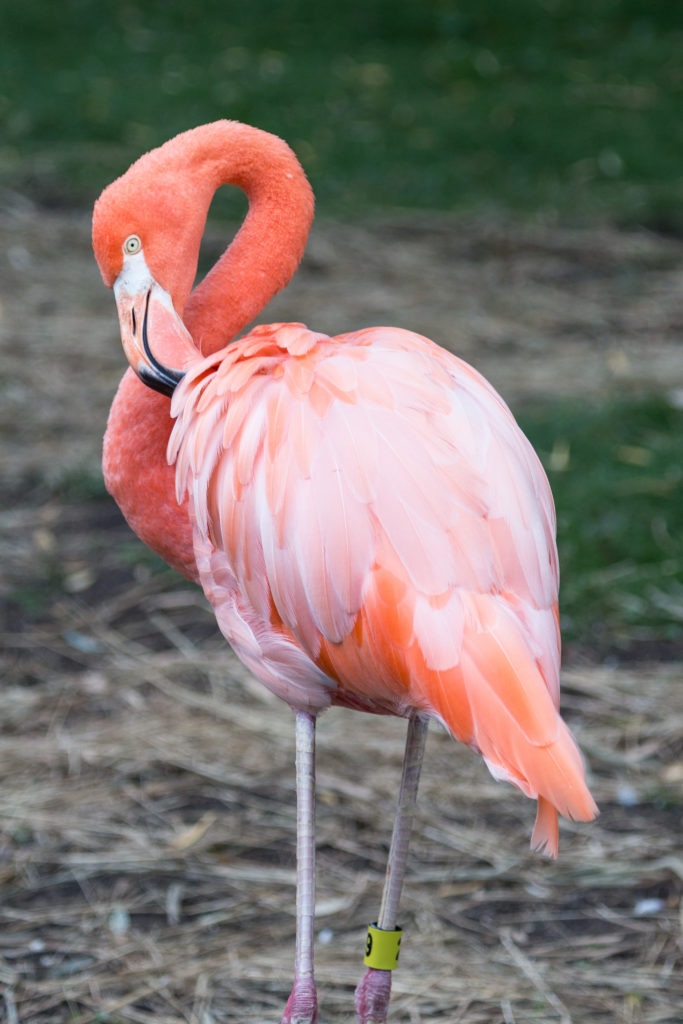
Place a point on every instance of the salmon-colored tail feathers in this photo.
(498, 702)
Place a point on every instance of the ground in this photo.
(147, 801)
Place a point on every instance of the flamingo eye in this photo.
(132, 245)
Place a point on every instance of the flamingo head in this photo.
(147, 228)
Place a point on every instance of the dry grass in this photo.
(147, 802)
(148, 856)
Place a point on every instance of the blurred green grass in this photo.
(616, 474)
(558, 108)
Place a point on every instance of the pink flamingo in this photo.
(366, 518)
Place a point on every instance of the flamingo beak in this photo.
(154, 337)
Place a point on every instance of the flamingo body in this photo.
(373, 530)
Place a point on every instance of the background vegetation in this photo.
(565, 108)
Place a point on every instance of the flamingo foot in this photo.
(372, 997)
(302, 1005)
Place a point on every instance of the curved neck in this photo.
(267, 249)
(184, 174)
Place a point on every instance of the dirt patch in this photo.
(147, 851)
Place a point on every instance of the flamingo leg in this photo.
(373, 993)
(302, 1005)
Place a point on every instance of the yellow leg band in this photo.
(382, 948)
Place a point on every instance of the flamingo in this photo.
(366, 518)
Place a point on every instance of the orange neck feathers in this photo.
(266, 251)
(164, 198)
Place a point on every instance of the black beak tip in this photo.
(165, 381)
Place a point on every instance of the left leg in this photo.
(302, 1005)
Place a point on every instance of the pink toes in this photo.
(302, 1005)
(372, 997)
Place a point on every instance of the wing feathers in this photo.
(378, 508)
(425, 469)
